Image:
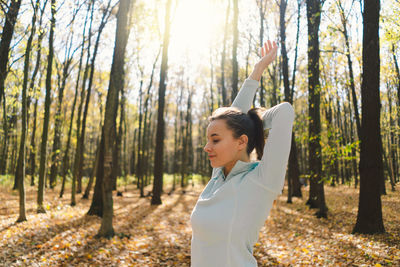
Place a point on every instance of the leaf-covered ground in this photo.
(160, 235)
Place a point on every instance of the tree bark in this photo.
(350, 66)
(317, 198)
(81, 141)
(262, 8)
(20, 172)
(43, 147)
(6, 37)
(235, 67)
(223, 57)
(116, 85)
(66, 158)
(293, 168)
(158, 158)
(76, 169)
(55, 160)
(369, 216)
(32, 156)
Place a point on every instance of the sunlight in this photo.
(195, 25)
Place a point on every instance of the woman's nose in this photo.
(207, 148)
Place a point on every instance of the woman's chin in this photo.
(214, 164)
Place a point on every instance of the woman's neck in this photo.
(229, 166)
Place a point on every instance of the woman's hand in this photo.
(268, 54)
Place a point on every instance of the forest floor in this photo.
(160, 235)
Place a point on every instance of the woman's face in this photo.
(222, 148)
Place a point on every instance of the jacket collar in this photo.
(240, 167)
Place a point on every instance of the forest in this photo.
(104, 115)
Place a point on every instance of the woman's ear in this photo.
(243, 140)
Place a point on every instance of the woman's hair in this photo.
(241, 123)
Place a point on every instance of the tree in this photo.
(262, 7)
(81, 144)
(76, 169)
(43, 146)
(369, 216)
(344, 21)
(158, 158)
(235, 67)
(116, 84)
(6, 36)
(317, 196)
(293, 166)
(33, 90)
(20, 172)
(223, 56)
(65, 164)
(55, 159)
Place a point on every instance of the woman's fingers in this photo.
(269, 49)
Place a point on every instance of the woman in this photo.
(237, 200)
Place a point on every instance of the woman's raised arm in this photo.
(246, 94)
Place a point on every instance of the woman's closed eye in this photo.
(215, 141)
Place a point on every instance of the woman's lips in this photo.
(211, 156)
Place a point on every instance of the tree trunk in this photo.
(392, 144)
(398, 97)
(116, 85)
(20, 172)
(96, 207)
(158, 158)
(369, 216)
(93, 173)
(76, 169)
(6, 36)
(43, 147)
(65, 164)
(21, 164)
(139, 168)
(55, 161)
(293, 168)
(32, 156)
(223, 57)
(261, 8)
(317, 198)
(81, 142)
(235, 67)
(350, 66)
(118, 142)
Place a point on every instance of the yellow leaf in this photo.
(257, 244)
(305, 250)
(89, 256)
(78, 242)
(378, 265)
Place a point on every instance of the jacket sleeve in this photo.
(279, 119)
(272, 167)
(244, 98)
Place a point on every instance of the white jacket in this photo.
(231, 210)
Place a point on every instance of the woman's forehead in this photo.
(217, 127)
